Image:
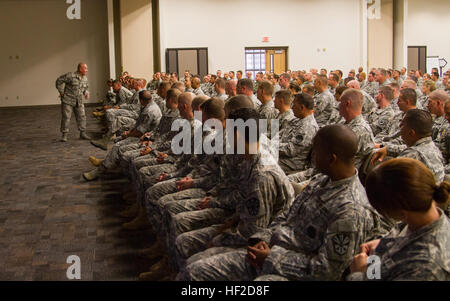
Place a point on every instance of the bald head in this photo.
(196, 82)
(145, 96)
(230, 88)
(82, 68)
(185, 105)
(338, 140)
(354, 84)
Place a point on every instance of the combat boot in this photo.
(131, 211)
(64, 137)
(95, 161)
(139, 223)
(93, 174)
(155, 251)
(157, 271)
(101, 143)
(84, 136)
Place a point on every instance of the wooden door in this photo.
(276, 61)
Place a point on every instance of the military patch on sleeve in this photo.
(252, 206)
(341, 242)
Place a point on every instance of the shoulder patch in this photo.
(341, 243)
(252, 206)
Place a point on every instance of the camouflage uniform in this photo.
(325, 109)
(74, 87)
(426, 152)
(285, 118)
(256, 101)
(276, 88)
(198, 92)
(371, 88)
(315, 239)
(423, 102)
(296, 143)
(265, 192)
(394, 105)
(380, 120)
(223, 97)
(148, 120)
(393, 130)
(420, 255)
(365, 139)
(440, 129)
(267, 111)
(161, 102)
(369, 104)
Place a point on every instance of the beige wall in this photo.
(47, 45)
(399, 37)
(380, 38)
(136, 35)
(428, 25)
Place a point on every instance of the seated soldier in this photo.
(380, 120)
(160, 96)
(265, 191)
(369, 104)
(245, 87)
(435, 103)
(282, 102)
(325, 106)
(148, 120)
(427, 87)
(219, 88)
(306, 242)
(419, 247)
(296, 138)
(267, 110)
(415, 131)
(196, 86)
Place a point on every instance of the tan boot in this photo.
(157, 271)
(155, 251)
(95, 161)
(131, 211)
(92, 175)
(139, 223)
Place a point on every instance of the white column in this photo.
(112, 55)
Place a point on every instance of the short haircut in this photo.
(308, 89)
(285, 95)
(382, 71)
(355, 97)
(266, 87)
(387, 92)
(173, 94)
(420, 121)
(214, 108)
(322, 79)
(394, 86)
(286, 76)
(198, 100)
(116, 81)
(430, 84)
(178, 85)
(334, 77)
(439, 95)
(295, 87)
(238, 102)
(246, 82)
(341, 89)
(410, 95)
(435, 74)
(220, 82)
(305, 99)
(340, 140)
(145, 96)
(164, 85)
(246, 114)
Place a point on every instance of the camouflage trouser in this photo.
(147, 177)
(128, 154)
(155, 201)
(271, 277)
(229, 265)
(80, 115)
(113, 157)
(120, 120)
(183, 216)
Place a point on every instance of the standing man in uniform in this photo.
(72, 87)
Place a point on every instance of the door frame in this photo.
(286, 48)
(198, 57)
(418, 47)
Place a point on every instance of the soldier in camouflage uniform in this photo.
(350, 105)
(283, 105)
(267, 110)
(265, 191)
(315, 238)
(196, 86)
(148, 120)
(381, 119)
(325, 105)
(296, 139)
(416, 130)
(245, 87)
(72, 88)
(440, 124)
(372, 86)
(418, 248)
(369, 104)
